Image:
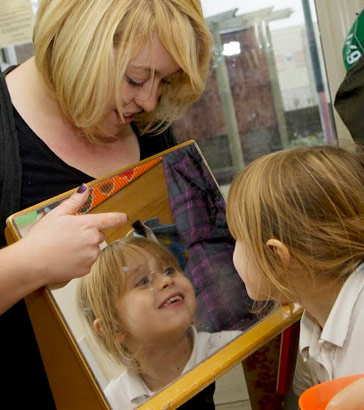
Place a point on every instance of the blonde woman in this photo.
(141, 308)
(298, 220)
(107, 79)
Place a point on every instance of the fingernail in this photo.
(82, 189)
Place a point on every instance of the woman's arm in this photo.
(61, 246)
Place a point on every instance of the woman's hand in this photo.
(61, 246)
(350, 398)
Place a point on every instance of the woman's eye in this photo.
(133, 83)
(170, 271)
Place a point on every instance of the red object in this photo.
(287, 359)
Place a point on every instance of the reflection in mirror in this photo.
(163, 295)
(142, 308)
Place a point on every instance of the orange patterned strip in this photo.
(105, 189)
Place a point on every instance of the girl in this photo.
(298, 220)
(141, 308)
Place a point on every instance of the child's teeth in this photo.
(174, 299)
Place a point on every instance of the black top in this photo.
(45, 175)
(29, 173)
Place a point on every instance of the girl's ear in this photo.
(98, 329)
(97, 326)
(280, 249)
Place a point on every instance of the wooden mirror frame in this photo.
(72, 381)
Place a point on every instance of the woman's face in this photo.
(140, 90)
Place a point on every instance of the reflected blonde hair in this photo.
(312, 200)
(99, 292)
(83, 49)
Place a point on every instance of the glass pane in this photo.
(267, 87)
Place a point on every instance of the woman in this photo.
(107, 76)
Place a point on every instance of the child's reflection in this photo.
(141, 307)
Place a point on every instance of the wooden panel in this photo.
(132, 200)
(73, 385)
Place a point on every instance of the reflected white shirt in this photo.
(337, 350)
(128, 391)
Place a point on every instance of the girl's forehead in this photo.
(135, 257)
(141, 258)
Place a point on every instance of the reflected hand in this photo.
(62, 246)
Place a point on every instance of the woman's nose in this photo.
(148, 99)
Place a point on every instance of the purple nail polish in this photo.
(82, 189)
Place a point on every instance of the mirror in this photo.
(174, 199)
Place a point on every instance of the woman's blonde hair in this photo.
(312, 200)
(83, 49)
(99, 292)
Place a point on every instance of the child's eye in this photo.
(133, 83)
(143, 282)
(170, 271)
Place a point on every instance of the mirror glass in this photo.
(175, 200)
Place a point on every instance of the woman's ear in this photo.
(280, 249)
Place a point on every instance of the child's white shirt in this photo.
(129, 390)
(337, 350)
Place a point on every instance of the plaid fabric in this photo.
(198, 210)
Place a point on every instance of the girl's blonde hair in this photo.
(83, 49)
(100, 290)
(312, 200)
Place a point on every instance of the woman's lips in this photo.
(127, 119)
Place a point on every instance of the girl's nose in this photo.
(165, 281)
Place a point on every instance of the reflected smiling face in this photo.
(158, 301)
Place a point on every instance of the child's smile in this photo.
(175, 300)
(158, 302)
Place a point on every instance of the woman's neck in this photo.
(164, 361)
(32, 99)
